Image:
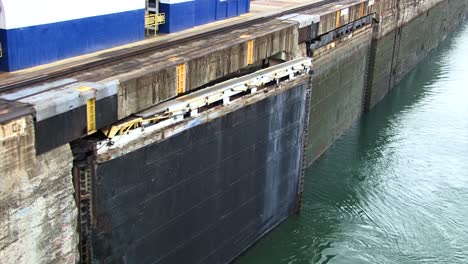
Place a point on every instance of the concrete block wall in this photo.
(142, 90)
(356, 73)
(41, 185)
(38, 215)
(221, 63)
(403, 38)
(338, 89)
(341, 16)
(392, 14)
(417, 38)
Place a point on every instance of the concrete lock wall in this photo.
(38, 215)
(207, 193)
(407, 31)
(338, 89)
(145, 89)
(357, 71)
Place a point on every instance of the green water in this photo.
(394, 187)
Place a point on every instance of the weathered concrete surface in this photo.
(60, 113)
(407, 32)
(338, 89)
(335, 15)
(373, 62)
(37, 208)
(206, 60)
(393, 14)
(204, 190)
(147, 79)
(37, 212)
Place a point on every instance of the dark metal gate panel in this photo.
(206, 194)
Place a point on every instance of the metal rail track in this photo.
(149, 48)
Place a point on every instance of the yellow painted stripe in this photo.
(250, 52)
(91, 115)
(361, 11)
(84, 88)
(338, 16)
(181, 75)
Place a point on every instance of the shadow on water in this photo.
(362, 206)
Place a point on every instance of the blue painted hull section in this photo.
(185, 15)
(31, 46)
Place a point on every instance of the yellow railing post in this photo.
(150, 21)
(361, 10)
(153, 20)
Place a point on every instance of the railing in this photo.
(152, 21)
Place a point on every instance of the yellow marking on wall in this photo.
(338, 16)
(244, 36)
(91, 115)
(250, 52)
(361, 10)
(84, 88)
(181, 70)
